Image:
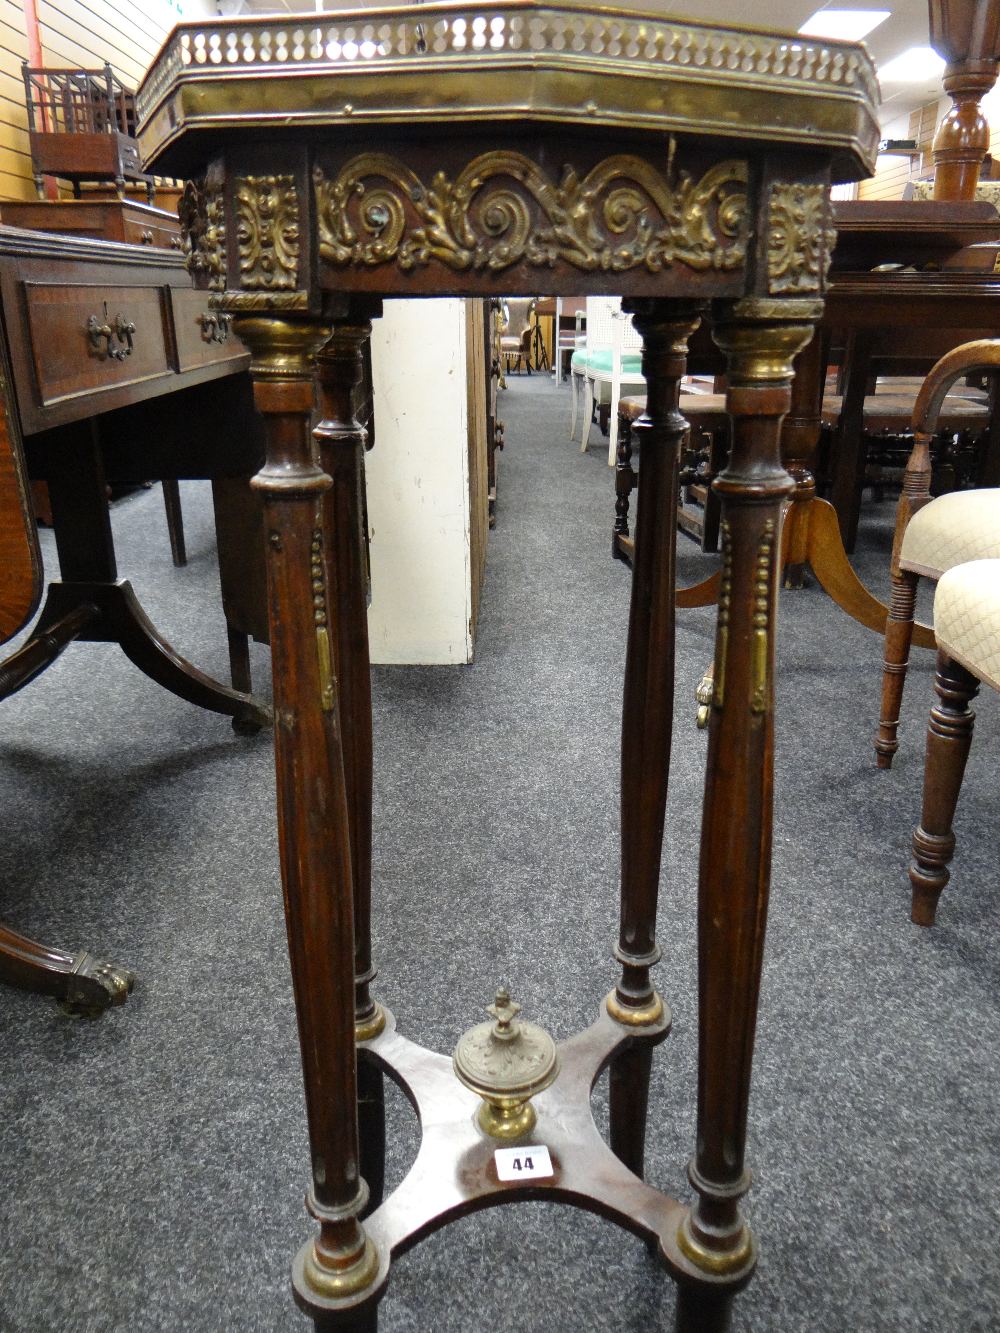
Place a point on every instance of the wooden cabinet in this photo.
(94, 326)
(107, 219)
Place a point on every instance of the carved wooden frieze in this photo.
(203, 227)
(267, 211)
(800, 238)
(502, 209)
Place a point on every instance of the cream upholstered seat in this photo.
(967, 617)
(954, 528)
(949, 531)
(967, 630)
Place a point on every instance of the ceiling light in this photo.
(850, 25)
(918, 65)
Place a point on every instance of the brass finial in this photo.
(504, 1010)
(506, 1063)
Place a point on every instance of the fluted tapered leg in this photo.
(760, 340)
(341, 440)
(339, 1271)
(647, 709)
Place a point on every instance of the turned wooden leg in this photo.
(341, 440)
(365, 1322)
(175, 521)
(898, 636)
(949, 736)
(902, 604)
(760, 340)
(625, 480)
(339, 1271)
(849, 445)
(239, 659)
(371, 1130)
(647, 705)
(48, 639)
(702, 1310)
(628, 1103)
(800, 434)
(971, 46)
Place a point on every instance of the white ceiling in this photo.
(906, 26)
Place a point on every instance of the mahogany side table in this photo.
(470, 150)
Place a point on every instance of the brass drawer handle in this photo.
(117, 336)
(215, 326)
(145, 238)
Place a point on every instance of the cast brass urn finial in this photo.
(506, 1063)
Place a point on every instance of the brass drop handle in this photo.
(175, 242)
(117, 336)
(215, 326)
(146, 238)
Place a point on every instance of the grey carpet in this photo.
(154, 1162)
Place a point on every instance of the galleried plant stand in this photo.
(463, 151)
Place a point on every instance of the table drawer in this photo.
(145, 231)
(204, 337)
(70, 354)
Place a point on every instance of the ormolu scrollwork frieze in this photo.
(502, 209)
(203, 229)
(800, 238)
(248, 303)
(267, 209)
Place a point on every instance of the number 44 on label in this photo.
(523, 1163)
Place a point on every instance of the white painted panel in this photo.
(418, 486)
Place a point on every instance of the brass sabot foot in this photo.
(335, 1281)
(637, 1016)
(731, 1261)
(370, 1026)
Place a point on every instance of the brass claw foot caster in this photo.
(94, 986)
(506, 1063)
(252, 719)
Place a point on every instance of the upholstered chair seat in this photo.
(967, 617)
(967, 630)
(954, 528)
